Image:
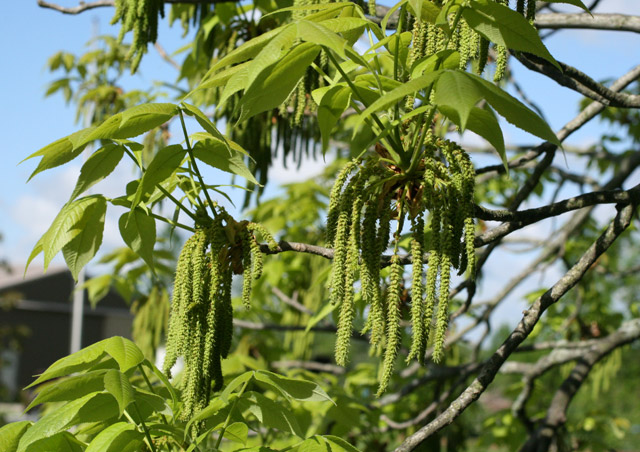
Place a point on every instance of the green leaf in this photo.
(237, 432)
(93, 407)
(271, 53)
(274, 84)
(424, 10)
(269, 413)
(203, 120)
(318, 34)
(97, 167)
(391, 97)
(63, 229)
(126, 353)
(332, 102)
(10, 435)
(505, 27)
(138, 229)
(297, 389)
(133, 121)
(60, 442)
(314, 444)
(234, 384)
(97, 288)
(577, 3)
(163, 378)
(515, 111)
(60, 151)
(456, 91)
(70, 388)
(327, 309)
(482, 122)
(166, 161)
(339, 445)
(209, 411)
(118, 437)
(217, 154)
(84, 246)
(117, 384)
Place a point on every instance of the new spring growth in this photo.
(201, 319)
(367, 196)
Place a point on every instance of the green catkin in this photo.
(501, 63)
(181, 297)
(468, 177)
(247, 267)
(334, 199)
(394, 317)
(198, 267)
(340, 246)
(347, 308)
(442, 317)
(224, 317)
(520, 6)
(433, 270)
(483, 55)
(416, 52)
(377, 309)
(371, 4)
(464, 47)
(370, 262)
(417, 290)
(531, 10)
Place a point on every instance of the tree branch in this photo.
(525, 326)
(614, 22)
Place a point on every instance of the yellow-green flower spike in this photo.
(417, 290)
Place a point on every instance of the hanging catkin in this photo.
(201, 319)
(361, 209)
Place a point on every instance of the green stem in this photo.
(357, 93)
(228, 419)
(173, 223)
(144, 426)
(161, 188)
(195, 165)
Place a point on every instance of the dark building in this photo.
(44, 305)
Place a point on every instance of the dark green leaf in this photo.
(270, 413)
(234, 384)
(60, 442)
(577, 3)
(138, 229)
(97, 167)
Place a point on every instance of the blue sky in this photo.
(28, 120)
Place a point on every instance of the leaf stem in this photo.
(195, 165)
(161, 188)
(228, 419)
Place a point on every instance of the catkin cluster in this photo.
(429, 39)
(201, 320)
(365, 198)
(141, 16)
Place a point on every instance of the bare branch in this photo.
(82, 7)
(614, 22)
(526, 325)
(556, 416)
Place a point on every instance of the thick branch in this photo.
(524, 328)
(556, 416)
(614, 22)
(82, 7)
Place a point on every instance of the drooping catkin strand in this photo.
(247, 267)
(433, 270)
(340, 246)
(531, 10)
(377, 309)
(394, 317)
(483, 55)
(468, 178)
(417, 290)
(465, 46)
(520, 6)
(442, 317)
(224, 317)
(266, 235)
(334, 199)
(501, 63)
(181, 297)
(370, 261)
(347, 308)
